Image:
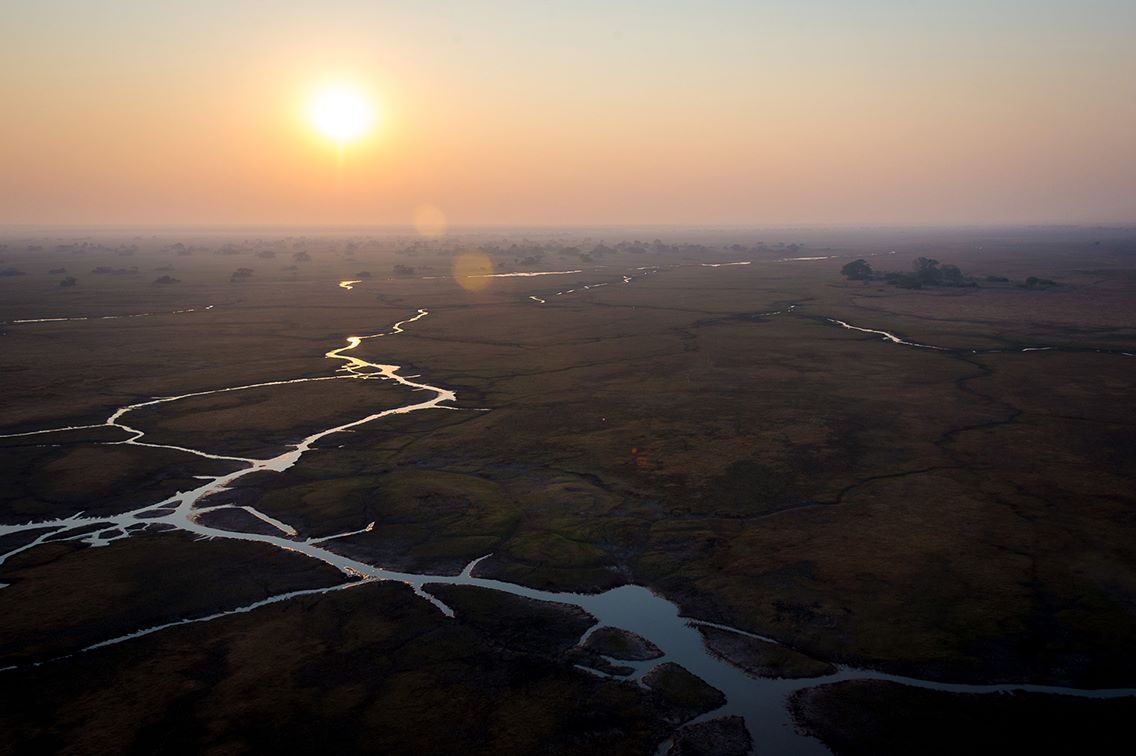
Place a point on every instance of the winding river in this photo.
(895, 339)
(760, 701)
(25, 321)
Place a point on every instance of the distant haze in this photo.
(591, 112)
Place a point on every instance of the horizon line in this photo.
(410, 228)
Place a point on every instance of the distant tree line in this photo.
(929, 272)
(107, 270)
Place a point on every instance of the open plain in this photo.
(242, 510)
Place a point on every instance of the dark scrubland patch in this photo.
(367, 669)
(877, 717)
(622, 644)
(425, 520)
(725, 736)
(238, 521)
(78, 372)
(685, 695)
(555, 560)
(63, 597)
(264, 421)
(20, 538)
(437, 520)
(938, 577)
(43, 482)
(761, 658)
(757, 487)
(515, 622)
(1093, 314)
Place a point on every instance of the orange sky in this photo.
(501, 112)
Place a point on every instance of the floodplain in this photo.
(245, 505)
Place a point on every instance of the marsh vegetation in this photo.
(660, 415)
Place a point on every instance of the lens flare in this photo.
(470, 271)
(429, 221)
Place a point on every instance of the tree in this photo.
(952, 276)
(857, 270)
(927, 269)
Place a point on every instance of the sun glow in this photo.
(341, 113)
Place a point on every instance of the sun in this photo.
(341, 113)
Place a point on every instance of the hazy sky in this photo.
(530, 112)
